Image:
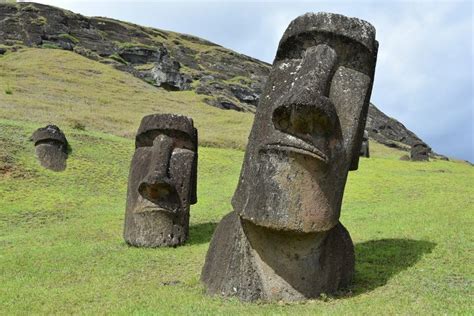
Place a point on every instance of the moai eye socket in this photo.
(307, 121)
(180, 139)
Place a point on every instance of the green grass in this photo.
(69, 37)
(61, 246)
(62, 249)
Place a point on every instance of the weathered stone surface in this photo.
(162, 182)
(166, 74)
(51, 147)
(141, 55)
(364, 148)
(420, 152)
(284, 241)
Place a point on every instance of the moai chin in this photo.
(284, 241)
(51, 147)
(162, 182)
(364, 148)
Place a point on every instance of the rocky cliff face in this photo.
(389, 131)
(165, 59)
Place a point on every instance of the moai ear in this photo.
(194, 171)
(349, 92)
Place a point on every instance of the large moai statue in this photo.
(283, 240)
(364, 148)
(162, 182)
(51, 147)
(420, 152)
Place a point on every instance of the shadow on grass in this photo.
(379, 260)
(201, 233)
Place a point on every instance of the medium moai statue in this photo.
(283, 240)
(420, 152)
(162, 182)
(364, 148)
(51, 147)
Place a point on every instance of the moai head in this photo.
(420, 152)
(51, 147)
(309, 125)
(162, 181)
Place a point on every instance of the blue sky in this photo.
(424, 75)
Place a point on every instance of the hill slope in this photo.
(57, 86)
(169, 60)
(165, 59)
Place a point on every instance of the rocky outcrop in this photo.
(168, 60)
(389, 131)
(165, 59)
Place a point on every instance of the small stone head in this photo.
(420, 151)
(51, 147)
(162, 181)
(364, 147)
(309, 125)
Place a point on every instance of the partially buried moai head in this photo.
(364, 147)
(420, 151)
(51, 147)
(309, 125)
(162, 181)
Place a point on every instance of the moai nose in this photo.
(307, 112)
(157, 185)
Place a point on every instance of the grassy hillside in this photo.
(49, 85)
(61, 246)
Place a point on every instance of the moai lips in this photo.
(51, 147)
(162, 182)
(285, 230)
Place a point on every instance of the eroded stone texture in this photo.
(420, 152)
(364, 148)
(51, 147)
(162, 182)
(284, 241)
